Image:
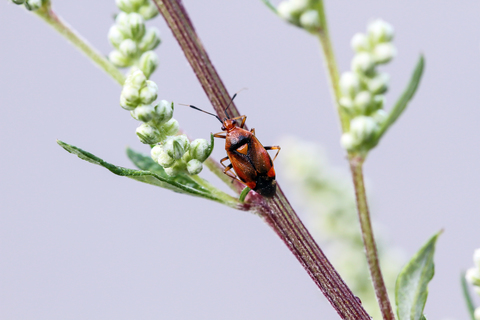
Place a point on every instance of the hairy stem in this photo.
(356, 166)
(49, 16)
(277, 212)
(331, 64)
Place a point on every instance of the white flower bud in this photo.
(285, 10)
(347, 104)
(378, 84)
(33, 4)
(473, 276)
(148, 134)
(380, 31)
(122, 19)
(349, 84)
(136, 25)
(118, 59)
(347, 141)
(363, 63)
(148, 63)
(362, 101)
(310, 20)
(184, 142)
(150, 40)
(299, 6)
(148, 94)
(163, 113)
(155, 152)
(115, 36)
(171, 127)
(360, 42)
(174, 148)
(378, 102)
(125, 5)
(128, 48)
(144, 113)
(148, 11)
(384, 52)
(194, 167)
(129, 98)
(199, 149)
(362, 128)
(379, 116)
(136, 79)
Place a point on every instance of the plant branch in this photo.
(356, 166)
(277, 212)
(331, 64)
(49, 16)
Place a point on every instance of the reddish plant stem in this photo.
(276, 212)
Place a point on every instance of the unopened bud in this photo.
(148, 94)
(128, 48)
(363, 63)
(125, 5)
(33, 5)
(160, 156)
(379, 116)
(148, 11)
(378, 84)
(118, 59)
(129, 98)
(174, 148)
(163, 113)
(136, 79)
(310, 20)
(144, 113)
(136, 25)
(362, 101)
(384, 52)
(174, 170)
(150, 40)
(363, 129)
(148, 134)
(380, 31)
(476, 258)
(349, 84)
(171, 127)
(115, 36)
(360, 42)
(347, 104)
(148, 63)
(194, 167)
(199, 149)
(347, 141)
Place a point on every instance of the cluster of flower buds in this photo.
(473, 276)
(133, 42)
(302, 13)
(363, 88)
(173, 152)
(31, 5)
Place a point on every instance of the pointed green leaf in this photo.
(270, 6)
(402, 102)
(154, 174)
(411, 287)
(467, 296)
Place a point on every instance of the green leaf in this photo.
(402, 102)
(154, 174)
(411, 287)
(466, 295)
(244, 193)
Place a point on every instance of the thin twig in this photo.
(277, 212)
(356, 166)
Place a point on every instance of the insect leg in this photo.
(274, 148)
(223, 160)
(220, 135)
(229, 173)
(253, 131)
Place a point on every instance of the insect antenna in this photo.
(193, 107)
(231, 100)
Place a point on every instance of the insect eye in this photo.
(234, 122)
(223, 128)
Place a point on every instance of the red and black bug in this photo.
(248, 158)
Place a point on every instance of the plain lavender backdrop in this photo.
(77, 242)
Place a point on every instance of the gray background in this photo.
(77, 242)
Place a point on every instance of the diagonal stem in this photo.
(276, 212)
